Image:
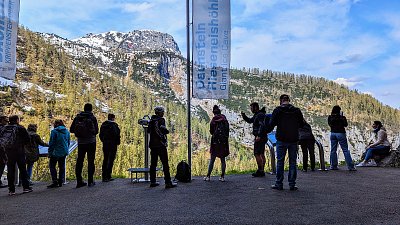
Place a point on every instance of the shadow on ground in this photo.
(367, 196)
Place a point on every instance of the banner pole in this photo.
(189, 134)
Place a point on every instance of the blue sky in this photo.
(354, 42)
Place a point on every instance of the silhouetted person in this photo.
(219, 129)
(307, 143)
(158, 145)
(338, 122)
(16, 137)
(32, 149)
(85, 128)
(287, 119)
(259, 137)
(3, 156)
(60, 140)
(111, 138)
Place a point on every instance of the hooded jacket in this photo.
(158, 132)
(287, 119)
(337, 123)
(59, 142)
(92, 138)
(110, 133)
(32, 148)
(222, 149)
(258, 121)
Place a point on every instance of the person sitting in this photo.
(381, 145)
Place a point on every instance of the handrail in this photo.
(321, 155)
(272, 156)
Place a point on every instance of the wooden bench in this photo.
(139, 170)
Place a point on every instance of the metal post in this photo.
(189, 134)
(272, 156)
(146, 152)
(321, 156)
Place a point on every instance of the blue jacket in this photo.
(59, 142)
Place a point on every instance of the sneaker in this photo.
(206, 178)
(11, 193)
(333, 168)
(361, 164)
(293, 188)
(353, 169)
(277, 187)
(27, 190)
(91, 184)
(111, 179)
(222, 179)
(154, 184)
(371, 163)
(303, 170)
(170, 185)
(105, 180)
(81, 184)
(31, 183)
(258, 174)
(53, 185)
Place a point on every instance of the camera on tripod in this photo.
(144, 121)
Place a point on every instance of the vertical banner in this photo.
(211, 48)
(9, 13)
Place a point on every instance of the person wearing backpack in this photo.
(14, 137)
(307, 143)
(158, 145)
(288, 119)
(32, 149)
(85, 128)
(3, 156)
(219, 129)
(259, 137)
(60, 140)
(111, 138)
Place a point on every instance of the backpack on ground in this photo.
(8, 137)
(183, 172)
(84, 127)
(221, 133)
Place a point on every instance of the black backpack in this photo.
(8, 137)
(221, 133)
(183, 172)
(84, 127)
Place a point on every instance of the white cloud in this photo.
(351, 82)
(137, 7)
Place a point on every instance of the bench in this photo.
(139, 170)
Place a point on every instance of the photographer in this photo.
(338, 122)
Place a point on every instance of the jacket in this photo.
(337, 123)
(305, 132)
(380, 138)
(22, 138)
(92, 137)
(220, 150)
(32, 148)
(287, 119)
(110, 133)
(258, 121)
(158, 132)
(59, 142)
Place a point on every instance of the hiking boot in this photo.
(155, 184)
(258, 174)
(222, 179)
(81, 184)
(53, 185)
(11, 193)
(353, 169)
(207, 178)
(277, 187)
(105, 180)
(27, 190)
(333, 168)
(170, 185)
(293, 188)
(111, 179)
(91, 184)
(60, 183)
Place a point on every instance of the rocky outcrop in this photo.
(392, 160)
